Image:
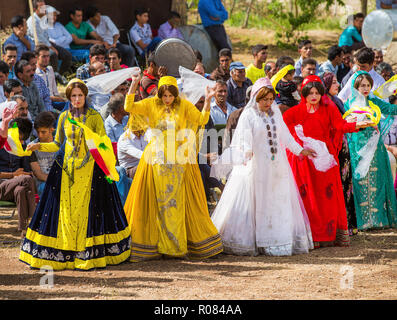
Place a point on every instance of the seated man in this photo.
(222, 72)
(41, 162)
(308, 67)
(378, 57)
(45, 72)
(117, 119)
(10, 58)
(108, 31)
(130, 149)
(256, 69)
(114, 59)
(44, 91)
(19, 36)
(150, 78)
(123, 89)
(169, 29)
(25, 75)
(141, 33)
(16, 181)
(57, 53)
(385, 70)
(62, 38)
(237, 85)
(97, 53)
(270, 69)
(220, 108)
(84, 36)
(351, 36)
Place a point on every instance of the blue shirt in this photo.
(214, 9)
(348, 36)
(327, 67)
(21, 48)
(44, 92)
(218, 116)
(114, 129)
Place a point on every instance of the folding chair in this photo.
(132, 45)
(8, 205)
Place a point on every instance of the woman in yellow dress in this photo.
(79, 222)
(166, 207)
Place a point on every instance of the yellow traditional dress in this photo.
(166, 207)
(79, 222)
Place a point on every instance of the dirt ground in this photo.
(366, 270)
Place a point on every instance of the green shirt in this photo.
(82, 32)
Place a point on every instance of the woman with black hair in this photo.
(320, 186)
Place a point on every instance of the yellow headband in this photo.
(281, 74)
(75, 80)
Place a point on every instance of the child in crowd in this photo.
(287, 90)
(41, 162)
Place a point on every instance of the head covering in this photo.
(236, 65)
(168, 80)
(327, 80)
(311, 78)
(259, 84)
(281, 74)
(51, 9)
(235, 153)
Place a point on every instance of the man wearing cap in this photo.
(237, 85)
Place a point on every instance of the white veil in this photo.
(193, 85)
(241, 142)
(107, 82)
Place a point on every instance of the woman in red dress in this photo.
(321, 190)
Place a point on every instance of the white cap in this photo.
(51, 9)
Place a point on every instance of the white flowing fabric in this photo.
(261, 211)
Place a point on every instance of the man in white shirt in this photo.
(364, 60)
(220, 108)
(108, 31)
(57, 52)
(130, 149)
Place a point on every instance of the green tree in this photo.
(290, 21)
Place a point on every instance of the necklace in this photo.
(271, 131)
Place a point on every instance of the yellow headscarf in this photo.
(281, 74)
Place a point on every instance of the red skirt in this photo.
(322, 195)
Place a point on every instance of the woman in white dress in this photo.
(260, 211)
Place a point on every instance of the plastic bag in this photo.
(323, 160)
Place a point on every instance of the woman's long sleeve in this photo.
(142, 107)
(194, 115)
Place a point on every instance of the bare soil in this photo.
(365, 270)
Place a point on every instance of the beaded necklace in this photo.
(271, 131)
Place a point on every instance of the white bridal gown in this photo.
(260, 211)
